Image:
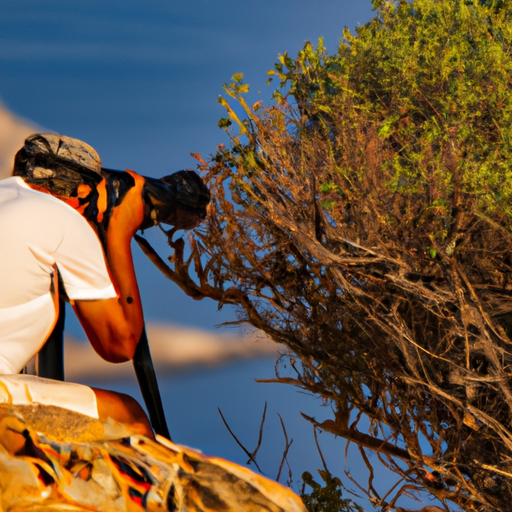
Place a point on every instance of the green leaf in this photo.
(237, 78)
(224, 122)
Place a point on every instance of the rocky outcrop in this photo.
(13, 132)
(54, 459)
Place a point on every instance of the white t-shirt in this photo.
(38, 231)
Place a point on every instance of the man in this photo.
(62, 215)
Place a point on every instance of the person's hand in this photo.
(128, 216)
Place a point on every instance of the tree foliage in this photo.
(327, 498)
(364, 220)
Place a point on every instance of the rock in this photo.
(54, 459)
(13, 131)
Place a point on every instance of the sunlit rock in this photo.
(53, 459)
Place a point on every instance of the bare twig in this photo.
(246, 451)
(251, 455)
(260, 434)
(285, 452)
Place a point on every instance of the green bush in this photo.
(327, 498)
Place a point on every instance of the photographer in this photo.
(62, 215)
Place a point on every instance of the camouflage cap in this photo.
(57, 161)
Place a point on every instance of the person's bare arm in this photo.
(112, 331)
(114, 326)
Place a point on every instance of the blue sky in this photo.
(133, 77)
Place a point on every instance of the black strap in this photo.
(50, 362)
(145, 372)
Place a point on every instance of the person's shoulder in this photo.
(39, 200)
(11, 182)
(18, 183)
(14, 188)
(33, 192)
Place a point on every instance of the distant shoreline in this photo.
(175, 349)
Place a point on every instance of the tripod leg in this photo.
(145, 372)
(50, 362)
